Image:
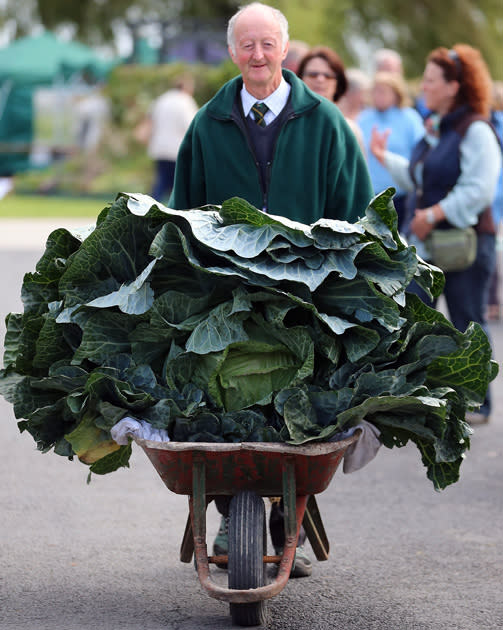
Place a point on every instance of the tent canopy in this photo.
(44, 58)
(25, 65)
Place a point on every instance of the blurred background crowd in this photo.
(78, 80)
(95, 97)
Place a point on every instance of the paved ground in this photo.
(30, 235)
(104, 556)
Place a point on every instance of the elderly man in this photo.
(267, 138)
(299, 159)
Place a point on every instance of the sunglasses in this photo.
(314, 75)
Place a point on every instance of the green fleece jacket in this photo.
(317, 169)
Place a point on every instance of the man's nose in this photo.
(258, 51)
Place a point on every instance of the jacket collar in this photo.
(453, 118)
(301, 97)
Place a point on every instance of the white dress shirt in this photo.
(275, 101)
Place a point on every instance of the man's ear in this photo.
(285, 50)
(231, 54)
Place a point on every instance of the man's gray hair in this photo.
(281, 19)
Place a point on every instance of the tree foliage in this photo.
(354, 28)
(414, 29)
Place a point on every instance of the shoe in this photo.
(476, 417)
(221, 542)
(301, 565)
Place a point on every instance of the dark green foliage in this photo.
(226, 324)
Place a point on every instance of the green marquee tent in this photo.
(25, 65)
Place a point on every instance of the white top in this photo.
(171, 115)
(275, 101)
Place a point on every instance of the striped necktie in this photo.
(259, 110)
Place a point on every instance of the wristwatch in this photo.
(430, 216)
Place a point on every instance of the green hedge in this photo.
(132, 88)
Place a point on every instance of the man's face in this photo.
(259, 51)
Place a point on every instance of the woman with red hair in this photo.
(454, 171)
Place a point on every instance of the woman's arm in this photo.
(396, 165)
(480, 161)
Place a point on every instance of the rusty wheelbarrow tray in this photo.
(204, 471)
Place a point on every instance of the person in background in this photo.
(92, 112)
(267, 138)
(388, 60)
(357, 95)
(454, 173)
(6, 185)
(169, 118)
(494, 305)
(323, 72)
(296, 50)
(404, 127)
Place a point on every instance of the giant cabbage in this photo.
(224, 323)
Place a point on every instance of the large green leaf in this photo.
(301, 417)
(251, 373)
(222, 326)
(51, 345)
(392, 272)
(105, 333)
(12, 341)
(469, 370)
(381, 220)
(114, 460)
(113, 255)
(359, 301)
(134, 298)
(89, 442)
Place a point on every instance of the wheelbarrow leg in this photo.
(294, 507)
(197, 506)
(290, 502)
(187, 546)
(315, 531)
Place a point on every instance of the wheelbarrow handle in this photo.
(294, 513)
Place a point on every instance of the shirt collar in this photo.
(275, 101)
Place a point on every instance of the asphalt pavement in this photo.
(104, 556)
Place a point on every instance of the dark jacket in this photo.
(317, 168)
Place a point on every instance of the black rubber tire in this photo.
(247, 546)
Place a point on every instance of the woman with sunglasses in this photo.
(454, 171)
(323, 72)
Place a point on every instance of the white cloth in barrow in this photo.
(129, 427)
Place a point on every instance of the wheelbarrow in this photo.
(247, 472)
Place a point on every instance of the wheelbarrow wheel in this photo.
(247, 546)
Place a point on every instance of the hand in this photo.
(378, 143)
(420, 226)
